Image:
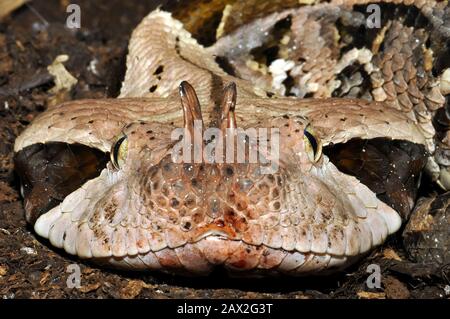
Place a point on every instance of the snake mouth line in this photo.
(390, 168)
(233, 261)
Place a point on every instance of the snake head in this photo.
(177, 193)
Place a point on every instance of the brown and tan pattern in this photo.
(145, 212)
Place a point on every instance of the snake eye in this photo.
(313, 145)
(119, 152)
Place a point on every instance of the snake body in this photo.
(143, 211)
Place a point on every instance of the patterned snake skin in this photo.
(345, 81)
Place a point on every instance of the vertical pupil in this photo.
(311, 140)
(117, 147)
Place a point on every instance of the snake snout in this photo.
(209, 199)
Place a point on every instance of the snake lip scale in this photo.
(100, 183)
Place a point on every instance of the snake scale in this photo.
(360, 113)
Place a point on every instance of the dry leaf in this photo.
(28, 250)
(7, 194)
(44, 278)
(8, 6)
(6, 62)
(64, 81)
(445, 82)
(88, 271)
(389, 253)
(3, 270)
(395, 289)
(133, 289)
(371, 295)
(90, 287)
(225, 15)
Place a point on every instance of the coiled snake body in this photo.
(355, 131)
